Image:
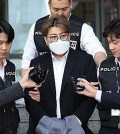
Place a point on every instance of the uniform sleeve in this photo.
(111, 99)
(30, 51)
(89, 41)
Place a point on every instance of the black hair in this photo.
(112, 29)
(58, 21)
(7, 28)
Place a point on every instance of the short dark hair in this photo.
(58, 21)
(113, 28)
(59, 0)
(7, 28)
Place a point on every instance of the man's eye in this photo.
(55, 9)
(53, 37)
(115, 43)
(64, 9)
(63, 36)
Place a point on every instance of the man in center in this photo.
(59, 102)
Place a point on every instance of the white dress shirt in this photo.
(58, 67)
(89, 43)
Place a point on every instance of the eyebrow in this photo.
(59, 8)
(56, 34)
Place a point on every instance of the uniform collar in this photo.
(117, 61)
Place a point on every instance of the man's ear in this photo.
(49, 5)
(71, 3)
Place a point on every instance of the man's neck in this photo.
(1, 63)
(58, 57)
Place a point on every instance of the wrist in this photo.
(22, 84)
(94, 93)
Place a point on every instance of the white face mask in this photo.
(60, 47)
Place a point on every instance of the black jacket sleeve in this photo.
(33, 108)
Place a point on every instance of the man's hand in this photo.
(35, 95)
(90, 88)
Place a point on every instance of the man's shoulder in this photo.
(109, 60)
(76, 20)
(10, 63)
(41, 20)
(81, 54)
(42, 57)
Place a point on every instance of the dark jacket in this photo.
(78, 64)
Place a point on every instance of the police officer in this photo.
(109, 78)
(16, 91)
(9, 116)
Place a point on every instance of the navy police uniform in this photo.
(9, 115)
(109, 77)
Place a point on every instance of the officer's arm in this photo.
(23, 71)
(99, 57)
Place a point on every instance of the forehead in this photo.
(59, 3)
(112, 37)
(55, 30)
(3, 36)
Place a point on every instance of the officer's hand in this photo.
(90, 88)
(26, 82)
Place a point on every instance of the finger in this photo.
(36, 99)
(34, 92)
(30, 68)
(79, 92)
(83, 80)
(96, 88)
(37, 87)
(35, 96)
(94, 83)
